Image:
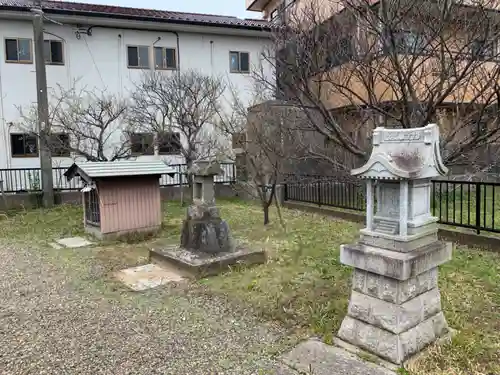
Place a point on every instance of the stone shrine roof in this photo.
(122, 168)
(404, 154)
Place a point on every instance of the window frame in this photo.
(274, 15)
(30, 61)
(24, 155)
(164, 58)
(137, 46)
(479, 127)
(488, 49)
(239, 71)
(159, 141)
(239, 140)
(50, 41)
(142, 135)
(66, 149)
(419, 45)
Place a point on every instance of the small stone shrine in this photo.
(203, 229)
(395, 306)
(207, 247)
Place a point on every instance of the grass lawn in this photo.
(304, 285)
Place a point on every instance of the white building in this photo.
(107, 47)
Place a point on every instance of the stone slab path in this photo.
(59, 315)
(316, 358)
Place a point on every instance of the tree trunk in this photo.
(265, 208)
(189, 164)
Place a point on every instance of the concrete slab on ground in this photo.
(315, 357)
(74, 242)
(147, 277)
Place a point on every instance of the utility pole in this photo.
(43, 124)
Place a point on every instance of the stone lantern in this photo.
(203, 182)
(395, 305)
(206, 247)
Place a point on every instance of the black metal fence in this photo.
(22, 180)
(325, 191)
(467, 204)
(458, 203)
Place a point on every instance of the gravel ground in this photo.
(60, 317)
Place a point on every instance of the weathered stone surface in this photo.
(393, 347)
(202, 212)
(205, 231)
(199, 264)
(392, 290)
(415, 339)
(401, 266)
(74, 242)
(316, 358)
(393, 317)
(205, 168)
(148, 276)
(409, 243)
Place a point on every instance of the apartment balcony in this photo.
(256, 5)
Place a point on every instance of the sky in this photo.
(222, 7)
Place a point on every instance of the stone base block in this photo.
(392, 290)
(199, 265)
(393, 317)
(396, 348)
(393, 264)
(398, 243)
(415, 228)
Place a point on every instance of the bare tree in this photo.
(185, 103)
(86, 124)
(352, 65)
(263, 136)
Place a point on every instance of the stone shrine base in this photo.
(197, 264)
(396, 348)
(395, 305)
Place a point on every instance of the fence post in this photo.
(478, 207)
(319, 193)
(285, 192)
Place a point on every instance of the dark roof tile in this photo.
(151, 14)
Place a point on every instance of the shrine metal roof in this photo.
(122, 168)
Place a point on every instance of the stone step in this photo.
(386, 227)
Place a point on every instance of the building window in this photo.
(169, 143)
(24, 145)
(278, 15)
(59, 145)
(53, 51)
(165, 58)
(479, 128)
(483, 49)
(404, 42)
(239, 62)
(138, 56)
(239, 140)
(142, 143)
(339, 53)
(274, 15)
(18, 50)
